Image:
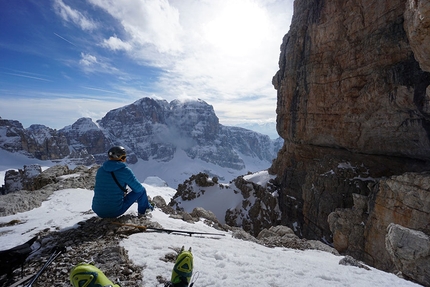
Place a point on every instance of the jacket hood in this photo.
(113, 165)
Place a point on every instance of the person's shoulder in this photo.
(113, 165)
(128, 169)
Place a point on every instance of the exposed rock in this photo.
(350, 261)
(277, 231)
(347, 226)
(12, 131)
(51, 175)
(360, 231)
(410, 251)
(21, 179)
(265, 233)
(159, 202)
(239, 233)
(348, 79)
(37, 141)
(403, 200)
(259, 208)
(94, 241)
(282, 236)
(185, 191)
(417, 25)
(318, 245)
(202, 213)
(187, 217)
(282, 230)
(43, 185)
(353, 110)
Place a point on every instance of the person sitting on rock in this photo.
(111, 198)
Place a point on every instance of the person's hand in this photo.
(150, 207)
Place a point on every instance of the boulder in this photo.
(410, 251)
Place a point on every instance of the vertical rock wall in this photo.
(348, 79)
(353, 108)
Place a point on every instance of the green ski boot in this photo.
(87, 275)
(183, 269)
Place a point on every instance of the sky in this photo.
(61, 60)
(219, 260)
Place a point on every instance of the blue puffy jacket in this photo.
(108, 197)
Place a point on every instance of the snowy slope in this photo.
(219, 261)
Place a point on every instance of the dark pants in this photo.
(131, 197)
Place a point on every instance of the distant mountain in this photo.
(266, 128)
(169, 140)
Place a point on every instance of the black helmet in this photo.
(116, 152)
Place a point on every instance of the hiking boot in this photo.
(87, 275)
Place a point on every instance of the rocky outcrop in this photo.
(255, 208)
(22, 178)
(403, 200)
(361, 231)
(353, 109)
(410, 252)
(258, 209)
(95, 241)
(417, 25)
(41, 186)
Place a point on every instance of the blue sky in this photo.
(61, 59)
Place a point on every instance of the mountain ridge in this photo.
(153, 131)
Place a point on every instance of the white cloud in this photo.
(227, 47)
(150, 25)
(87, 60)
(116, 44)
(91, 64)
(224, 52)
(71, 15)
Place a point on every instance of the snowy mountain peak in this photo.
(155, 133)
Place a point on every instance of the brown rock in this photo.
(353, 110)
(348, 79)
(410, 252)
(259, 207)
(403, 200)
(417, 25)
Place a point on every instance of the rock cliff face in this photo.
(156, 129)
(348, 79)
(353, 107)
